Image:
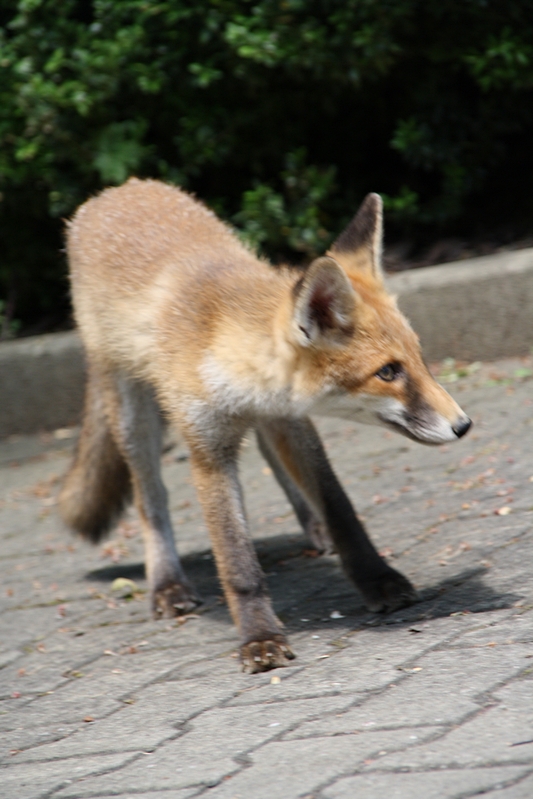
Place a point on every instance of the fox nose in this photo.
(462, 427)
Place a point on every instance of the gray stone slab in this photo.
(143, 723)
(521, 789)
(171, 793)
(19, 736)
(27, 781)
(288, 769)
(498, 735)
(210, 748)
(429, 691)
(432, 785)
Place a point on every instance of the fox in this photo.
(183, 324)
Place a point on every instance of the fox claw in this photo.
(257, 656)
(319, 536)
(173, 600)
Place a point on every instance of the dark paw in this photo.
(174, 599)
(265, 655)
(390, 591)
(319, 536)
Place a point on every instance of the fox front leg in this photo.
(296, 447)
(214, 467)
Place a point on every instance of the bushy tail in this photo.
(97, 487)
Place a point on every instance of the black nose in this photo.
(462, 428)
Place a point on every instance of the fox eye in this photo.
(389, 372)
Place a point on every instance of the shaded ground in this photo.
(98, 700)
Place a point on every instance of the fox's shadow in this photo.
(307, 589)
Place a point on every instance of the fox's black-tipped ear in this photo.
(359, 245)
(323, 305)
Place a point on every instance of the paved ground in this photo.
(98, 700)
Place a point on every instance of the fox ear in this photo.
(359, 245)
(324, 305)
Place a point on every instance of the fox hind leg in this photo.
(136, 425)
(312, 526)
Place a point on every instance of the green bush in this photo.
(281, 114)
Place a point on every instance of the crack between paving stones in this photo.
(98, 773)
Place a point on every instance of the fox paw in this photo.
(174, 599)
(259, 656)
(388, 592)
(319, 536)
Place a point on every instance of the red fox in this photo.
(177, 314)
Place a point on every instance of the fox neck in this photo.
(252, 368)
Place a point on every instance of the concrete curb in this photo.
(477, 309)
(41, 383)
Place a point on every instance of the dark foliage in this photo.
(281, 114)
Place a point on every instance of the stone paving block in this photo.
(183, 793)
(116, 675)
(430, 691)
(348, 672)
(522, 789)
(518, 628)
(69, 704)
(289, 769)
(155, 716)
(209, 749)
(17, 738)
(429, 785)
(499, 735)
(8, 656)
(29, 781)
(20, 628)
(220, 672)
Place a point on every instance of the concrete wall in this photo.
(41, 383)
(477, 309)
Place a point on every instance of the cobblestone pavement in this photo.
(432, 702)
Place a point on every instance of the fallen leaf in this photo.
(124, 586)
(63, 433)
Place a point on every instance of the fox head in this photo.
(353, 341)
